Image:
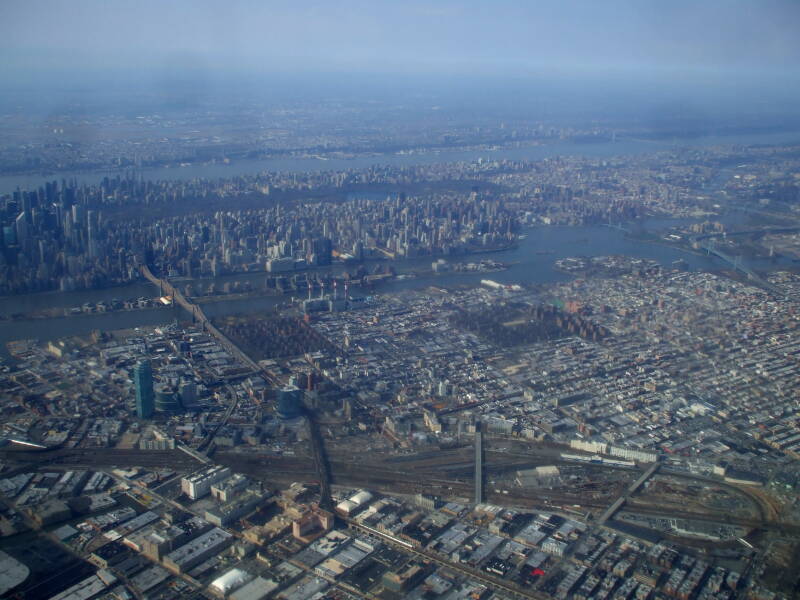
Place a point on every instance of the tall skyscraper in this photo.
(21, 225)
(143, 379)
(290, 402)
(322, 249)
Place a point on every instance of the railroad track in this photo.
(386, 476)
(380, 477)
(88, 457)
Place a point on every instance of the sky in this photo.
(724, 36)
(698, 58)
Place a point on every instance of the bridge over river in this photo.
(200, 317)
(737, 264)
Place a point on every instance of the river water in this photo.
(533, 258)
(620, 147)
(532, 262)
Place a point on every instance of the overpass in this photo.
(632, 489)
(205, 445)
(321, 463)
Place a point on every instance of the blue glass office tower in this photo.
(143, 380)
(290, 402)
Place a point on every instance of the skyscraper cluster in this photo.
(63, 237)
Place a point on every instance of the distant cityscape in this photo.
(627, 432)
(388, 301)
(68, 236)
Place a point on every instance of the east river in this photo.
(531, 261)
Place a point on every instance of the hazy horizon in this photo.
(645, 60)
(683, 41)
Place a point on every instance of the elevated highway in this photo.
(200, 317)
(632, 489)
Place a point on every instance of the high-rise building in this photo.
(290, 402)
(167, 400)
(21, 225)
(188, 393)
(9, 235)
(143, 380)
(323, 249)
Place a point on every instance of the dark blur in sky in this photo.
(710, 42)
